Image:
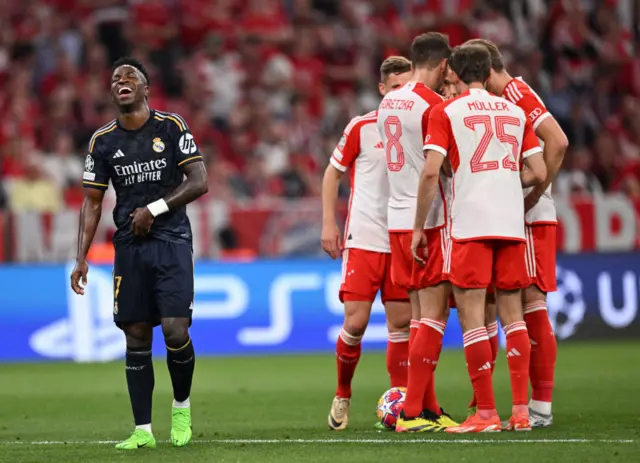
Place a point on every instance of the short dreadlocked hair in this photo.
(128, 61)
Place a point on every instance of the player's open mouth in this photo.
(125, 91)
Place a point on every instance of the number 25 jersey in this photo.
(402, 123)
(486, 139)
(143, 165)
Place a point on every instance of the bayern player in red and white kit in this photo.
(402, 124)
(485, 139)
(366, 260)
(540, 233)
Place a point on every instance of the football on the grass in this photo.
(389, 406)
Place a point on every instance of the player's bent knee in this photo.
(138, 335)
(490, 313)
(398, 315)
(175, 331)
(355, 326)
(533, 294)
(356, 317)
(176, 339)
(395, 324)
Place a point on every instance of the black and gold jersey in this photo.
(143, 166)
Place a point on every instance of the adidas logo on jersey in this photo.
(119, 154)
(380, 145)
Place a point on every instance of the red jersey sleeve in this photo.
(530, 143)
(425, 122)
(523, 96)
(439, 136)
(432, 99)
(348, 148)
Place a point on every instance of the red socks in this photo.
(492, 331)
(434, 348)
(398, 358)
(423, 359)
(518, 353)
(413, 332)
(477, 351)
(543, 350)
(348, 349)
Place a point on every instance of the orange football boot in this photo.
(476, 424)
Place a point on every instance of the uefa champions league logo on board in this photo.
(88, 334)
(566, 305)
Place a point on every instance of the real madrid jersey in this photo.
(143, 166)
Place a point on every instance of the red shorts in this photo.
(364, 273)
(405, 272)
(541, 256)
(437, 242)
(477, 264)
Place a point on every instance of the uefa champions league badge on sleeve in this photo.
(342, 142)
(88, 169)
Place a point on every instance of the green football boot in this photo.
(181, 427)
(140, 439)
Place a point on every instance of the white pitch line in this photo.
(349, 441)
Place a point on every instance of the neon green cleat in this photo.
(380, 427)
(139, 439)
(181, 427)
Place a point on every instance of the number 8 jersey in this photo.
(402, 123)
(486, 139)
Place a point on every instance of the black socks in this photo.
(140, 381)
(181, 363)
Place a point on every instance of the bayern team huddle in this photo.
(450, 206)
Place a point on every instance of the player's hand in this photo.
(419, 246)
(530, 200)
(331, 240)
(79, 274)
(142, 221)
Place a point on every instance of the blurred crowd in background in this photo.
(267, 86)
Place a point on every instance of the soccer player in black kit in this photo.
(146, 154)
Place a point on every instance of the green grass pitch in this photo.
(268, 409)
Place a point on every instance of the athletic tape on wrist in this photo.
(158, 207)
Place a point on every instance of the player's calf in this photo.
(477, 351)
(398, 314)
(518, 352)
(490, 317)
(348, 351)
(518, 347)
(348, 345)
(181, 365)
(543, 356)
(140, 383)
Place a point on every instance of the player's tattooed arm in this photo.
(191, 189)
(426, 193)
(89, 218)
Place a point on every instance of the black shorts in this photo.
(152, 280)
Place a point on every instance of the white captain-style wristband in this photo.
(158, 207)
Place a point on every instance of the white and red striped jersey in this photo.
(486, 138)
(518, 92)
(402, 124)
(361, 151)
